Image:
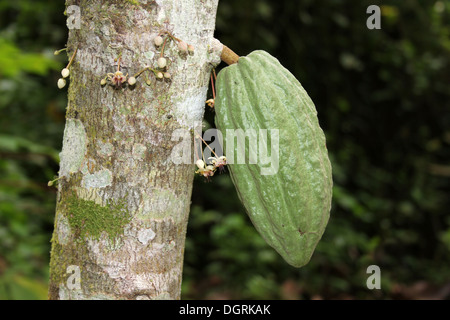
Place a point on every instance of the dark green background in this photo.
(383, 102)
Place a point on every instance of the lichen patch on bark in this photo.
(74, 147)
(146, 235)
(99, 179)
(186, 111)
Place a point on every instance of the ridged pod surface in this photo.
(291, 207)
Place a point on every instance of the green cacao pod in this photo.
(289, 207)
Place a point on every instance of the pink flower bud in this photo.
(182, 46)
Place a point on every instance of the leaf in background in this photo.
(13, 61)
(15, 144)
(17, 287)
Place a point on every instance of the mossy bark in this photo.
(122, 204)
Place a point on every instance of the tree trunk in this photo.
(123, 202)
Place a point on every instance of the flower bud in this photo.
(190, 49)
(61, 83)
(167, 75)
(200, 164)
(182, 46)
(162, 62)
(159, 75)
(158, 40)
(131, 81)
(103, 82)
(65, 72)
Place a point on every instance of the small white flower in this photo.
(204, 170)
(210, 103)
(218, 163)
(117, 78)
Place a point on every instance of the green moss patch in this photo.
(90, 219)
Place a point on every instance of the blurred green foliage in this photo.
(31, 125)
(383, 102)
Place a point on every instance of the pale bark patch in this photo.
(187, 111)
(74, 147)
(99, 179)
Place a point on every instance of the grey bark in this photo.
(123, 203)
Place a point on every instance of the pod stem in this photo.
(229, 56)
